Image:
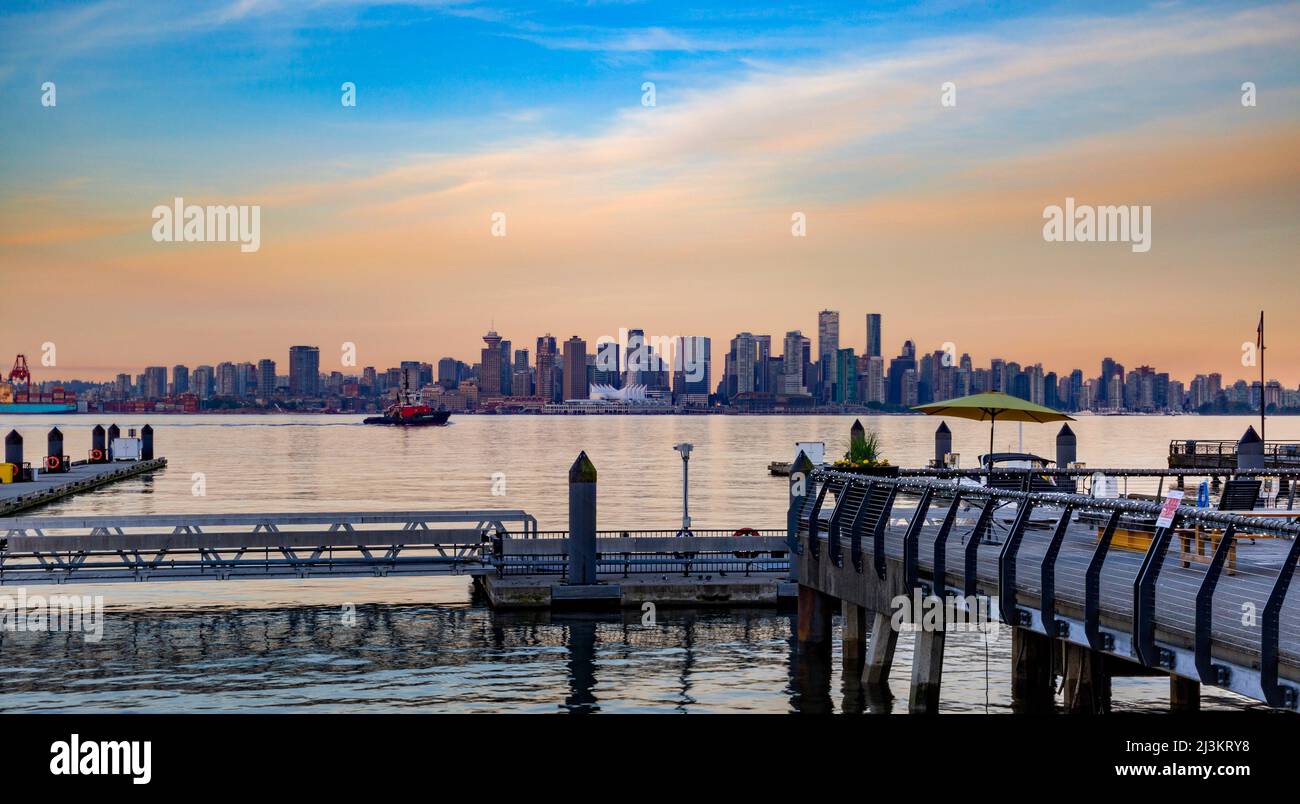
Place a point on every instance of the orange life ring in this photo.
(52, 462)
(96, 454)
(746, 532)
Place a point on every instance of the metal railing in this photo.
(627, 552)
(1105, 573)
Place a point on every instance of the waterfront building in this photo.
(304, 371)
(828, 345)
(266, 379)
(873, 335)
(155, 382)
(547, 387)
(180, 379)
(490, 366)
(575, 368)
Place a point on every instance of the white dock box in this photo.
(126, 449)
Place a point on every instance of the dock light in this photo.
(685, 450)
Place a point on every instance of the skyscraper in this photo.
(304, 371)
(266, 378)
(873, 335)
(744, 360)
(180, 379)
(575, 369)
(547, 388)
(490, 365)
(828, 345)
(155, 382)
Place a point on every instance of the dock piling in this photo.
(114, 433)
(814, 620)
(582, 522)
(927, 671)
(880, 653)
(1184, 695)
(1067, 453)
(55, 461)
(942, 444)
(853, 628)
(1087, 681)
(14, 452)
(1250, 451)
(146, 443)
(1031, 671)
(98, 449)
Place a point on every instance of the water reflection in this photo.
(468, 658)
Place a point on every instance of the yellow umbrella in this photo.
(992, 406)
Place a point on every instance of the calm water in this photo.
(423, 644)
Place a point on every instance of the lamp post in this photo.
(685, 450)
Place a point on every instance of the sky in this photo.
(679, 218)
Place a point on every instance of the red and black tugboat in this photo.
(409, 410)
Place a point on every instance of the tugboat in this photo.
(409, 410)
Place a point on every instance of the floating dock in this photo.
(47, 487)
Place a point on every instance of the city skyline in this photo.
(1277, 361)
(380, 231)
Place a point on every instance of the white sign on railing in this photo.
(1172, 500)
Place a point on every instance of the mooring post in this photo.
(1031, 671)
(582, 521)
(14, 453)
(1250, 451)
(853, 629)
(114, 433)
(98, 449)
(54, 455)
(927, 671)
(146, 443)
(815, 611)
(1184, 695)
(942, 444)
(1087, 681)
(880, 653)
(800, 480)
(1067, 452)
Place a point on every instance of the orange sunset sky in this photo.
(674, 218)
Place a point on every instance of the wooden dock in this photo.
(48, 487)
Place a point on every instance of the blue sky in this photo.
(464, 109)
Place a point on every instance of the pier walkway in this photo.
(1099, 585)
(47, 487)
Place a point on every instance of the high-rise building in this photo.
(762, 359)
(744, 361)
(180, 379)
(575, 369)
(846, 377)
(792, 359)
(227, 380)
(155, 382)
(828, 344)
(266, 378)
(873, 335)
(547, 388)
(203, 381)
(693, 361)
(491, 366)
(304, 371)
(608, 369)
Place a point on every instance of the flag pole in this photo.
(1262, 395)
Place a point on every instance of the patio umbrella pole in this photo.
(993, 422)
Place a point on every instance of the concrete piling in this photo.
(814, 625)
(97, 445)
(1031, 671)
(582, 521)
(146, 443)
(880, 653)
(1250, 451)
(54, 459)
(853, 629)
(1184, 695)
(114, 433)
(1067, 452)
(14, 453)
(927, 672)
(942, 444)
(1087, 681)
